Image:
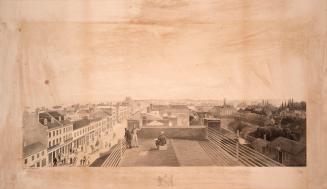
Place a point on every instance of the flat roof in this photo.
(179, 153)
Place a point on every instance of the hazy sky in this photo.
(105, 61)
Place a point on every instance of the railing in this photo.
(115, 154)
(231, 152)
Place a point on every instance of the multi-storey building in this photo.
(59, 134)
(35, 155)
(50, 134)
(81, 129)
(89, 134)
(167, 115)
(110, 111)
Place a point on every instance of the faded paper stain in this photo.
(54, 52)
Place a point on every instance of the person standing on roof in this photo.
(128, 138)
(135, 142)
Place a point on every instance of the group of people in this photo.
(71, 159)
(59, 159)
(131, 137)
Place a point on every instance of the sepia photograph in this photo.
(167, 133)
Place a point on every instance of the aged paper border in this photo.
(15, 13)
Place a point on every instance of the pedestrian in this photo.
(55, 162)
(84, 160)
(71, 158)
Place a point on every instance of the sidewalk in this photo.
(119, 131)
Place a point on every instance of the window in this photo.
(42, 153)
(53, 133)
(25, 161)
(57, 132)
(37, 155)
(53, 142)
(49, 144)
(32, 158)
(49, 134)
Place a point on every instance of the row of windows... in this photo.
(54, 142)
(33, 157)
(87, 129)
(59, 131)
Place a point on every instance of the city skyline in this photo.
(275, 102)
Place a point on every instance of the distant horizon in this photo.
(176, 99)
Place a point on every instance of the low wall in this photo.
(193, 133)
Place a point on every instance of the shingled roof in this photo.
(33, 148)
(80, 123)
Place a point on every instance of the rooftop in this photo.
(150, 116)
(179, 153)
(155, 123)
(53, 125)
(203, 108)
(54, 113)
(287, 145)
(80, 123)
(260, 142)
(100, 113)
(33, 149)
